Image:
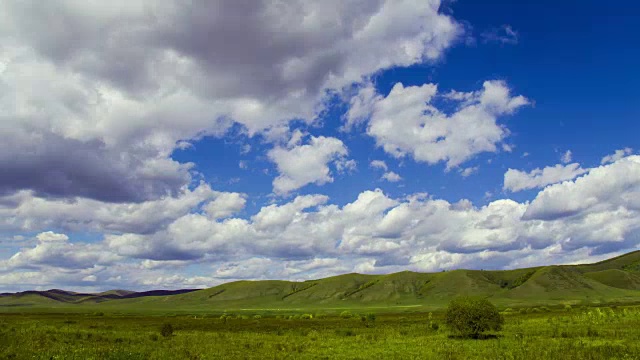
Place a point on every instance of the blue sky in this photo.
(220, 142)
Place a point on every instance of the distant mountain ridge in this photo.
(75, 297)
(615, 280)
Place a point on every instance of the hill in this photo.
(616, 280)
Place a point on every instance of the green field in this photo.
(589, 333)
(585, 311)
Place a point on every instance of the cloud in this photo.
(591, 217)
(606, 190)
(23, 212)
(466, 172)
(54, 250)
(225, 204)
(390, 176)
(406, 123)
(95, 98)
(504, 35)
(346, 165)
(58, 167)
(51, 236)
(617, 155)
(516, 180)
(566, 157)
(598, 210)
(301, 165)
(378, 164)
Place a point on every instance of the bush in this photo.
(470, 317)
(166, 330)
(346, 314)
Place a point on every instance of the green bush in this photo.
(470, 317)
(346, 314)
(166, 330)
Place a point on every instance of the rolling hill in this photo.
(616, 280)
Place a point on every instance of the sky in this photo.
(183, 144)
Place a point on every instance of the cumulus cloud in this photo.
(390, 176)
(567, 157)
(97, 97)
(27, 213)
(308, 237)
(612, 187)
(55, 250)
(301, 165)
(600, 208)
(405, 123)
(617, 155)
(225, 204)
(516, 180)
(378, 164)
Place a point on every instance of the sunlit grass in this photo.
(579, 333)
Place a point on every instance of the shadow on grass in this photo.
(475, 337)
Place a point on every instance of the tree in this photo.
(470, 317)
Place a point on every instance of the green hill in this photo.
(616, 280)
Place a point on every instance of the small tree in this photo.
(470, 317)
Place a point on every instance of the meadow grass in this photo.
(576, 333)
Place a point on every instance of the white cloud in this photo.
(591, 217)
(516, 180)
(24, 212)
(601, 211)
(124, 85)
(54, 250)
(390, 176)
(608, 188)
(51, 236)
(405, 123)
(617, 155)
(466, 172)
(225, 204)
(566, 157)
(346, 165)
(306, 164)
(378, 164)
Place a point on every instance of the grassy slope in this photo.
(613, 280)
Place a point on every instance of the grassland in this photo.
(582, 333)
(588, 311)
(614, 281)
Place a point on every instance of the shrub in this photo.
(257, 317)
(470, 317)
(346, 314)
(166, 330)
(567, 308)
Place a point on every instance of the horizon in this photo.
(154, 145)
(318, 279)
